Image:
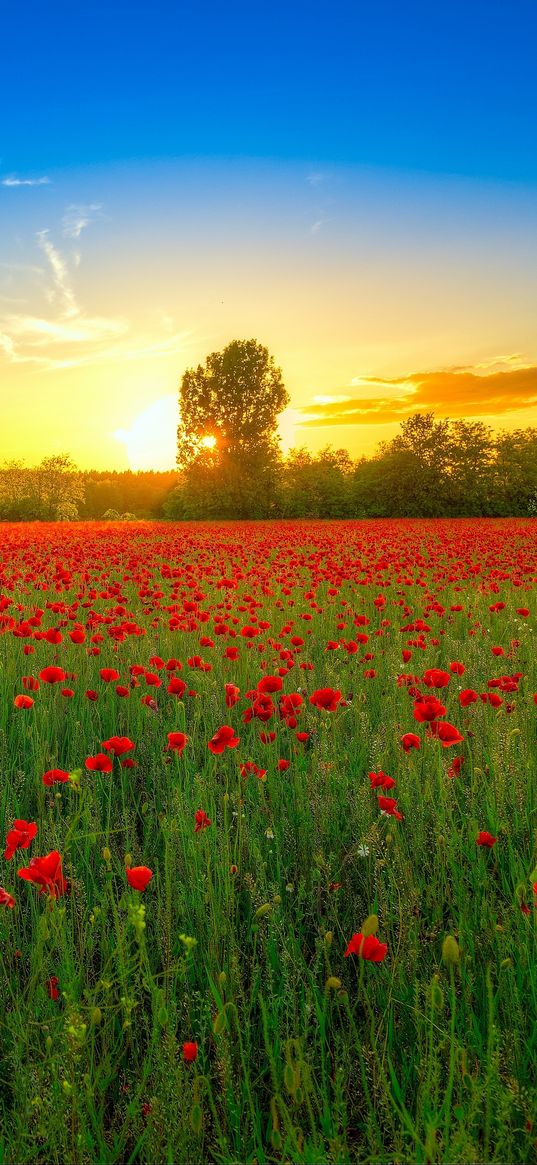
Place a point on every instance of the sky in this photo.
(353, 185)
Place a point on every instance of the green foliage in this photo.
(235, 397)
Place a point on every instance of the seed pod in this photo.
(451, 951)
(371, 925)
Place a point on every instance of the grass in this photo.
(238, 942)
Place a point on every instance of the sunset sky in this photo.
(354, 185)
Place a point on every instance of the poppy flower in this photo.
(389, 805)
(368, 948)
(233, 695)
(427, 708)
(46, 873)
(434, 677)
(100, 763)
(326, 698)
(23, 702)
(410, 741)
(108, 674)
(270, 684)
(52, 675)
(446, 733)
(19, 837)
(176, 742)
(223, 738)
(138, 877)
(51, 987)
(6, 899)
(55, 777)
(486, 839)
(118, 745)
(381, 781)
(190, 1052)
(467, 697)
(202, 821)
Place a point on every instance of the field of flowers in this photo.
(269, 811)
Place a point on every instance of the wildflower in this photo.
(223, 738)
(190, 1052)
(202, 821)
(485, 839)
(139, 877)
(46, 873)
(368, 948)
(19, 837)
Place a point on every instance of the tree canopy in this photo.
(230, 405)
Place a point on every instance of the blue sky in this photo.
(439, 87)
(354, 184)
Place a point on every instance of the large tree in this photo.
(230, 404)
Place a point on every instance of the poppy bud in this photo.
(371, 925)
(333, 983)
(263, 910)
(451, 951)
(106, 854)
(127, 861)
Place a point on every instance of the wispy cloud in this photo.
(491, 388)
(316, 226)
(60, 274)
(69, 337)
(77, 217)
(12, 180)
(315, 178)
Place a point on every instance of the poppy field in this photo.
(267, 884)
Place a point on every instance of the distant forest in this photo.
(432, 468)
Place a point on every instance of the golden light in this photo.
(208, 442)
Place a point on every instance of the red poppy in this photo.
(410, 741)
(486, 839)
(326, 698)
(19, 837)
(202, 821)
(176, 742)
(270, 684)
(190, 1052)
(23, 702)
(118, 745)
(434, 677)
(46, 873)
(138, 877)
(51, 987)
(427, 708)
(52, 675)
(55, 777)
(108, 674)
(223, 738)
(6, 899)
(467, 697)
(389, 805)
(100, 763)
(381, 781)
(368, 948)
(446, 733)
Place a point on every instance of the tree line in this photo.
(230, 465)
(432, 468)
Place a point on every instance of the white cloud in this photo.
(78, 216)
(316, 226)
(12, 180)
(60, 273)
(69, 337)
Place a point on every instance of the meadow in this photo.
(268, 800)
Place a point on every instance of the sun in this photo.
(208, 442)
